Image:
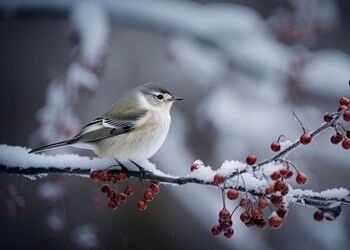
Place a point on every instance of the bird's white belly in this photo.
(139, 144)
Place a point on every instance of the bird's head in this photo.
(157, 97)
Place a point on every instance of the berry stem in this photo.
(299, 121)
(234, 210)
(223, 197)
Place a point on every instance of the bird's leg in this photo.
(141, 169)
(124, 169)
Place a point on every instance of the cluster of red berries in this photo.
(148, 195)
(115, 197)
(253, 214)
(342, 135)
(225, 224)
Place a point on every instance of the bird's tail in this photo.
(51, 146)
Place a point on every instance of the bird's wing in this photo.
(105, 127)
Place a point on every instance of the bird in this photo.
(134, 128)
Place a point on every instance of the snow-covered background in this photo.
(242, 67)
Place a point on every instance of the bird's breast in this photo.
(142, 142)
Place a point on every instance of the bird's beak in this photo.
(176, 98)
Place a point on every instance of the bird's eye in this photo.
(160, 97)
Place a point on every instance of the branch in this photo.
(318, 200)
(280, 157)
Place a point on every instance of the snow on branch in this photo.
(16, 160)
(89, 35)
(263, 183)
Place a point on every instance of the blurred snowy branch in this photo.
(90, 31)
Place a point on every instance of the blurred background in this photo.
(242, 67)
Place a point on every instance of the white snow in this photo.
(79, 76)
(334, 193)
(90, 20)
(15, 156)
(205, 173)
(327, 73)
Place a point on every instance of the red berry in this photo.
(232, 194)
(261, 223)
(346, 144)
(257, 213)
(263, 203)
(284, 172)
(94, 175)
(229, 233)
(218, 179)
(277, 200)
(282, 212)
(122, 176)
(112, 179)
(251, 159)
(103, 176)
(112, 205)
(301, 178)
(215, 230)
(105, 188)
(148, 195)
(342, 107)
(318, 215)
(344, 101)
(245, 217)
(226, 225)
(336, 139)
(141, 205)
(279, 185)
(111, 194)
(285, 189)
(276, 175)
(289, 174)
(128, 190)
(275, 221)
(121, 198)
(275, 146)
(250, 223)
(346, 116)
(328, 117)
(245, 203)
(224, 214)
(155, 188)
(194, 167)
(270, 189)
(305, 138)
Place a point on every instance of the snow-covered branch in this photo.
(16, 160)
(289, 147)
(263, 184)
(89, 35)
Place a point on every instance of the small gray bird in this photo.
(135, 127)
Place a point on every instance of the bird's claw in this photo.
(141, 169)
